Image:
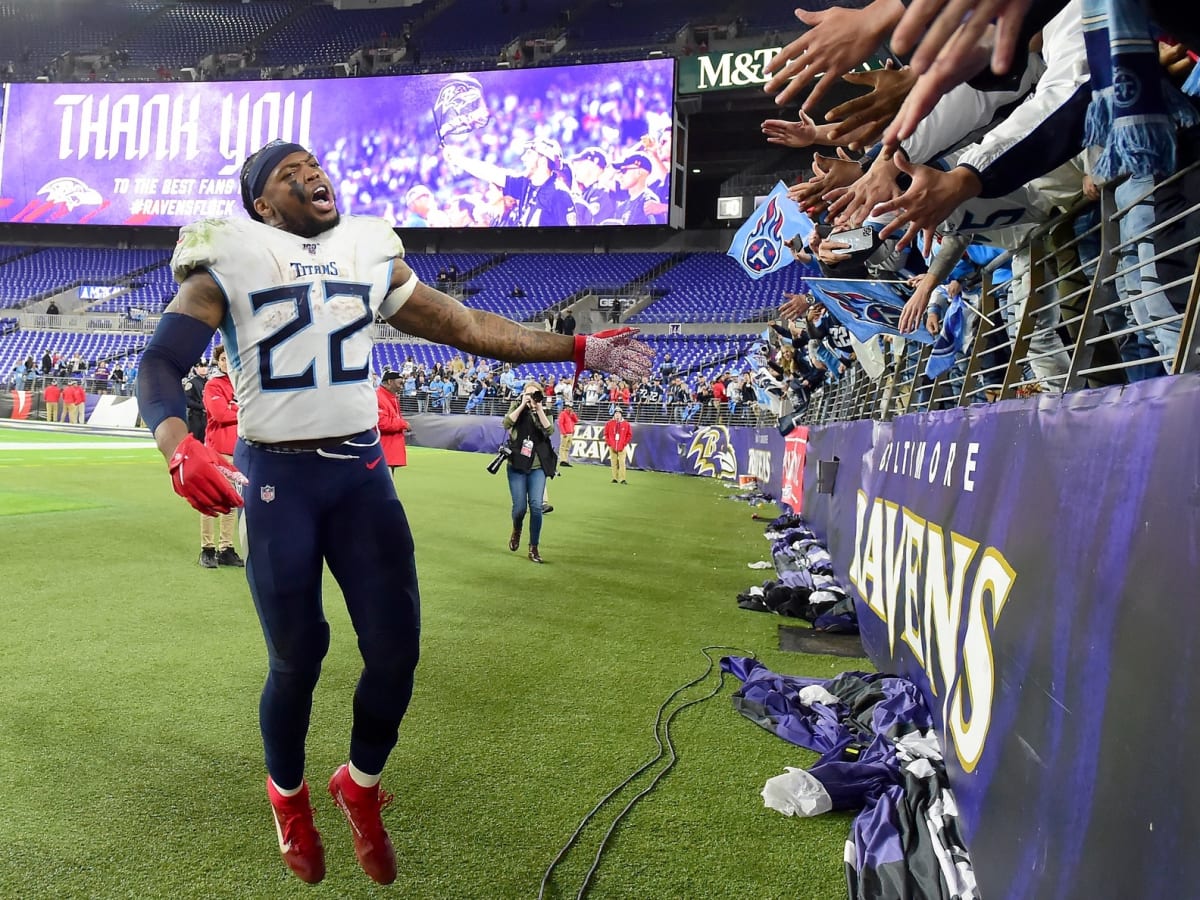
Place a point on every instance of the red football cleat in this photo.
(299, 840)
(361, 807)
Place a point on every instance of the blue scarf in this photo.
(1135, 112)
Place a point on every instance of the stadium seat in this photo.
(712, 287)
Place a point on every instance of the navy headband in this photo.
(262, 164)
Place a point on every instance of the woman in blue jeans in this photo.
(530, 462)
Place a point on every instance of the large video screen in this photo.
(542, 147)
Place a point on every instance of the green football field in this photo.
(129, 748)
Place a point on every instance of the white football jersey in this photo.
(297, 330)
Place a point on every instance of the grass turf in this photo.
(128, 731)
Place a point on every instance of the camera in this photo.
(502, 454)
(537, 396)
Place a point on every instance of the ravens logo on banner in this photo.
(712, 454)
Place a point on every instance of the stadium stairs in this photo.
(652, 276)
(563, 304)
(637, 285)
(491, 263)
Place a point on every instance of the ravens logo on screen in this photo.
(460, 107)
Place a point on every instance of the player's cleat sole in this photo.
(299, 841)
(361, 807)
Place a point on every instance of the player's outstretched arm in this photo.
(430, 314)
(437, 317)
(198, 474)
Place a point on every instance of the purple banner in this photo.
(527, 147)
(714, 451)
(1033, 566)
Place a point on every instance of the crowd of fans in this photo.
(106, 376)
(464, 384)
(948, 167)
(486, 387)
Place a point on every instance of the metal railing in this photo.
(1095, 313)
(88, 322)
(661, 413)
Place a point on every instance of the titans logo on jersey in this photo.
(297, 328)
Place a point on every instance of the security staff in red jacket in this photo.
(220, 433)
(392, 424)
(53, 395)
(567, 420)
(617, 434)
(75, 400)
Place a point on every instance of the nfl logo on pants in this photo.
(266, 493)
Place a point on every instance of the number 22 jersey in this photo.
(298, 319)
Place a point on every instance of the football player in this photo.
(294, 290)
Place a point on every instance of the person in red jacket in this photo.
(80, 396)
(567, 420)
(53, 395)
(619, 396)
(617, 434)
(720, 394)
(392, 424)
(220, 434)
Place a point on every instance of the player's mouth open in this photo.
(322, 199)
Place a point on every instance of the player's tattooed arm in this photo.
(432, 315)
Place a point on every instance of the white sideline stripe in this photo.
(79, 445)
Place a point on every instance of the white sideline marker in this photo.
(80, 445)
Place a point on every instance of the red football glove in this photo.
(203, 478)
(615, 351)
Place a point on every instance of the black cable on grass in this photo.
(658, 723)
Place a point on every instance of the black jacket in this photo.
(527, 427)
(193, 390)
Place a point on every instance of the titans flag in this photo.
(868, 308)
(759, 246)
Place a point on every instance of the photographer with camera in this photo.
(531, 460)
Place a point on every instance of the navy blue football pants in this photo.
(339, 507)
